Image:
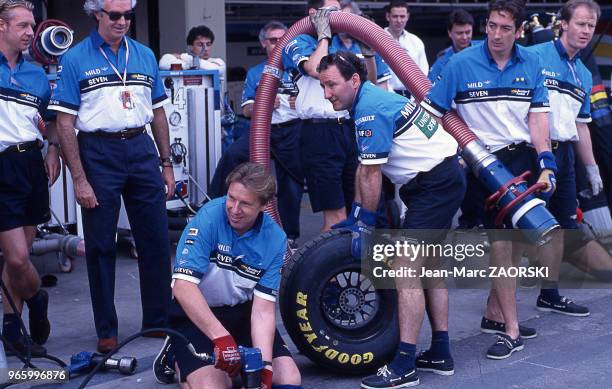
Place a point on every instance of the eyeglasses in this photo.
(273, 40)
(114, 15)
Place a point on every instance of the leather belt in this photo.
(21, 147)
(123, 134)
(285, 124)
(328, 121)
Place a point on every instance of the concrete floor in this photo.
(568, 353)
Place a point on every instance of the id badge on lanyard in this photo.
(125, 95)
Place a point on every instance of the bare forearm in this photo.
(584, 147)
(161, 134)
(247, 110)
(538, 130)
(371, 67)
(195, 306)
(263, 325)
(51, 132)
(70, 146)
(311, 65)
(370, 182)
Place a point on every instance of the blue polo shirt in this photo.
(228, 268)
(569, 85)
(24, 95)
(443, 59)
(398, 134)
(88, 87)
(494, 103)
(284, 112)
(383, 73)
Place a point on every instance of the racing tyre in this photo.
(333, 314)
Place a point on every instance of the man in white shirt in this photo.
(397, 16)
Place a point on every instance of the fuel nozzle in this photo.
(124, 365)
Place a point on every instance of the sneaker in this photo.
(385, 378)
(36, 350)
(563, 305)
(163, 365)
(489, 326)
(40, 328)
(442, 366)
(504, 347)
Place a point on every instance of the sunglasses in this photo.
(273, 40)
(114, 15)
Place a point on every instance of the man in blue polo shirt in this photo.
(569, 85)
(284, 139)
(498, 89)
(109, 89)
(459, 29)
(328, 152)
(225, 284)
(24, 194)
(395, 137)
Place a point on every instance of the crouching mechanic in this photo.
(396, 137)
(225, 283)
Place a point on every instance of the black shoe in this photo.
(562, 305)
(489, 326)
(40, 328)
(442, 366)
(163, 365)
(385, 378)
(504, 347)
(36, 350)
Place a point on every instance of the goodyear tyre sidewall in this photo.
(347, 351)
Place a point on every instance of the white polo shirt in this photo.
(416, 50)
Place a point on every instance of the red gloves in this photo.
(266, 379)
(227, 357)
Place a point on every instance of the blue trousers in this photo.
(128, 168)
(284, 146)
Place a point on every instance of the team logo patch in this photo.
(189, 241)
(193, 232)
(185, 251)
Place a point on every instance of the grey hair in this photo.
(353, 4)
(93, 6)
(271, 25)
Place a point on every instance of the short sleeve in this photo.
(194, 248)
(267, 287)
(539, 101)
(66, 96)
(298, 51)
(250, 86)
(443, 91)
(374, 137)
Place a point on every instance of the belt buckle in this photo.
(554, 144)
(122, 135)
(340, 120)
(19, 148)
(511, 147)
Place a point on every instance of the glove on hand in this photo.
(320, 20)
(594, 179)
(266, 379)
(547, 176)
(227, 357)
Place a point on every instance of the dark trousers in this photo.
(284, 146)
(128, 168)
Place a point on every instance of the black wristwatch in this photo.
(165, 162)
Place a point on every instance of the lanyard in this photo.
(572, 67)
(127, 57)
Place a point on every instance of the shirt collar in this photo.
(357, 96)
(97, 39)
(404, 32)
(515, 57)
(562, 52)
(20, 60)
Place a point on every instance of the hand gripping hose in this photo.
(529, 213)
